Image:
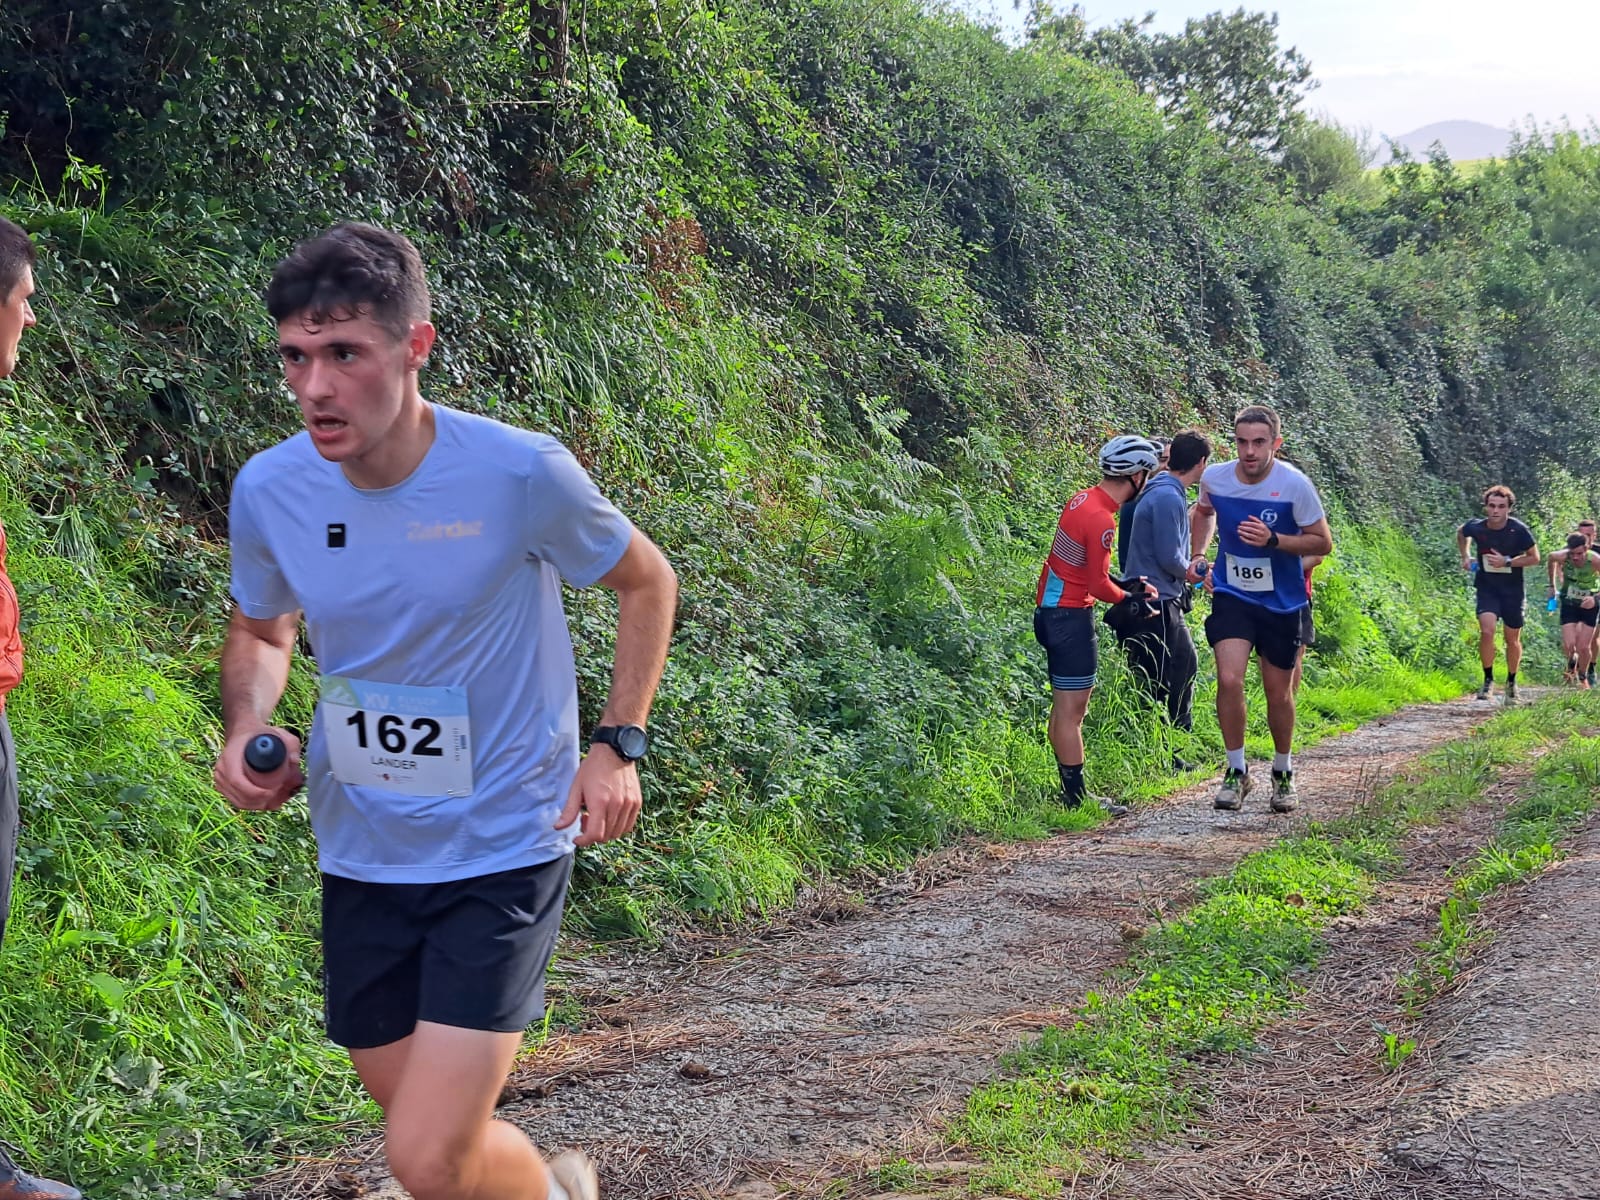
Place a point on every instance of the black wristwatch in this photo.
(1272, 540)
(629, 741)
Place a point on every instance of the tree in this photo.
(1323, 156)
(1225, 69)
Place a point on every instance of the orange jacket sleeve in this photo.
(10, 629)
(1099, 565)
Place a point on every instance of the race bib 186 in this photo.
(413, 740)
(1250, 574)
(1494, 570)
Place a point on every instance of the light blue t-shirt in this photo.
(448, 581)
(1286, 502)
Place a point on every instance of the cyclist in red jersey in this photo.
(1076, 573)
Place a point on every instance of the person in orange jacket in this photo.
(16, 317)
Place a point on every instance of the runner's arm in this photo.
(605, 793)
(1528, 558)
(1552, 568)
(255, 670)
(647, 601)
(1461, 547)
(1202, 524)
(1315, 538)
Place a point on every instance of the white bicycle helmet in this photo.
(1128, 454)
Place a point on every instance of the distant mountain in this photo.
(1462, 140)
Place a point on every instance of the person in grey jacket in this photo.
(1161, 648)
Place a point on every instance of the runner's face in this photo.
(1497, 509)
(351, 377)
(1587, 529)
(1257, 449)
(16, 315)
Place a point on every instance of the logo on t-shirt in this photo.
(1105, 538)
(1269, 516)
(336, 536)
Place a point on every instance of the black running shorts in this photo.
(1573, 613)
(1070, 646)
(469, 953)
(1276, 636)
(1506, 606)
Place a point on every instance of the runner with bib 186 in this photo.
(427, 548)
(1267, 515)
(1504, 546)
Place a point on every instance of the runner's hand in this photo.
(1466, 564)
(1253, 531)
(1496, 559)
(606, 796)
(1588, 602)
(1149, 589)
(250, 791)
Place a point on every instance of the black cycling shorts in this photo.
(1276, 636)
(469, 953)
(1507, 606)
(1573, 613)
(1070, 646)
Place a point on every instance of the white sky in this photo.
(1396, 65)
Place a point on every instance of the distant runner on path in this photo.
(1503, 546)
(1075, 574)
(426, 548)
(1573, 576)
(1267, 515)
(17, 257)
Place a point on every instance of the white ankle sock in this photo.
(1236, 759)
(1283, 762)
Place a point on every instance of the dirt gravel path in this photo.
(1514, 1098)
(1313, 1110)
(786, 1058)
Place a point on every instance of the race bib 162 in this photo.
(413, 740)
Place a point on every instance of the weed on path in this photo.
(790, 1059)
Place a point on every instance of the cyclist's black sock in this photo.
(1511, 679)
(1072, 788)
(1488, 676)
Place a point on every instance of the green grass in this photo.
(1205, 983)
(1562, 797)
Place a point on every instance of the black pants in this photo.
(8, 818)
(1162, 651)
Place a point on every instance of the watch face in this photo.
(632, 741)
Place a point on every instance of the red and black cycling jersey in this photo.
(1077, 571)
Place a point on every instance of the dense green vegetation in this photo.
(834, 297)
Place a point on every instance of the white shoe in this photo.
(574, 1171)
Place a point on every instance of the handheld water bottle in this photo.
(1550, 604)
(265, 754)
(1201, 568)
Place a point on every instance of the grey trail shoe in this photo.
(1235, 787)
(1284, 797)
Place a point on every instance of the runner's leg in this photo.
(1513, 650)
(1233, 660)
(1279, 685)
(440, 1134)
(1066, 725)
(1486, 623)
